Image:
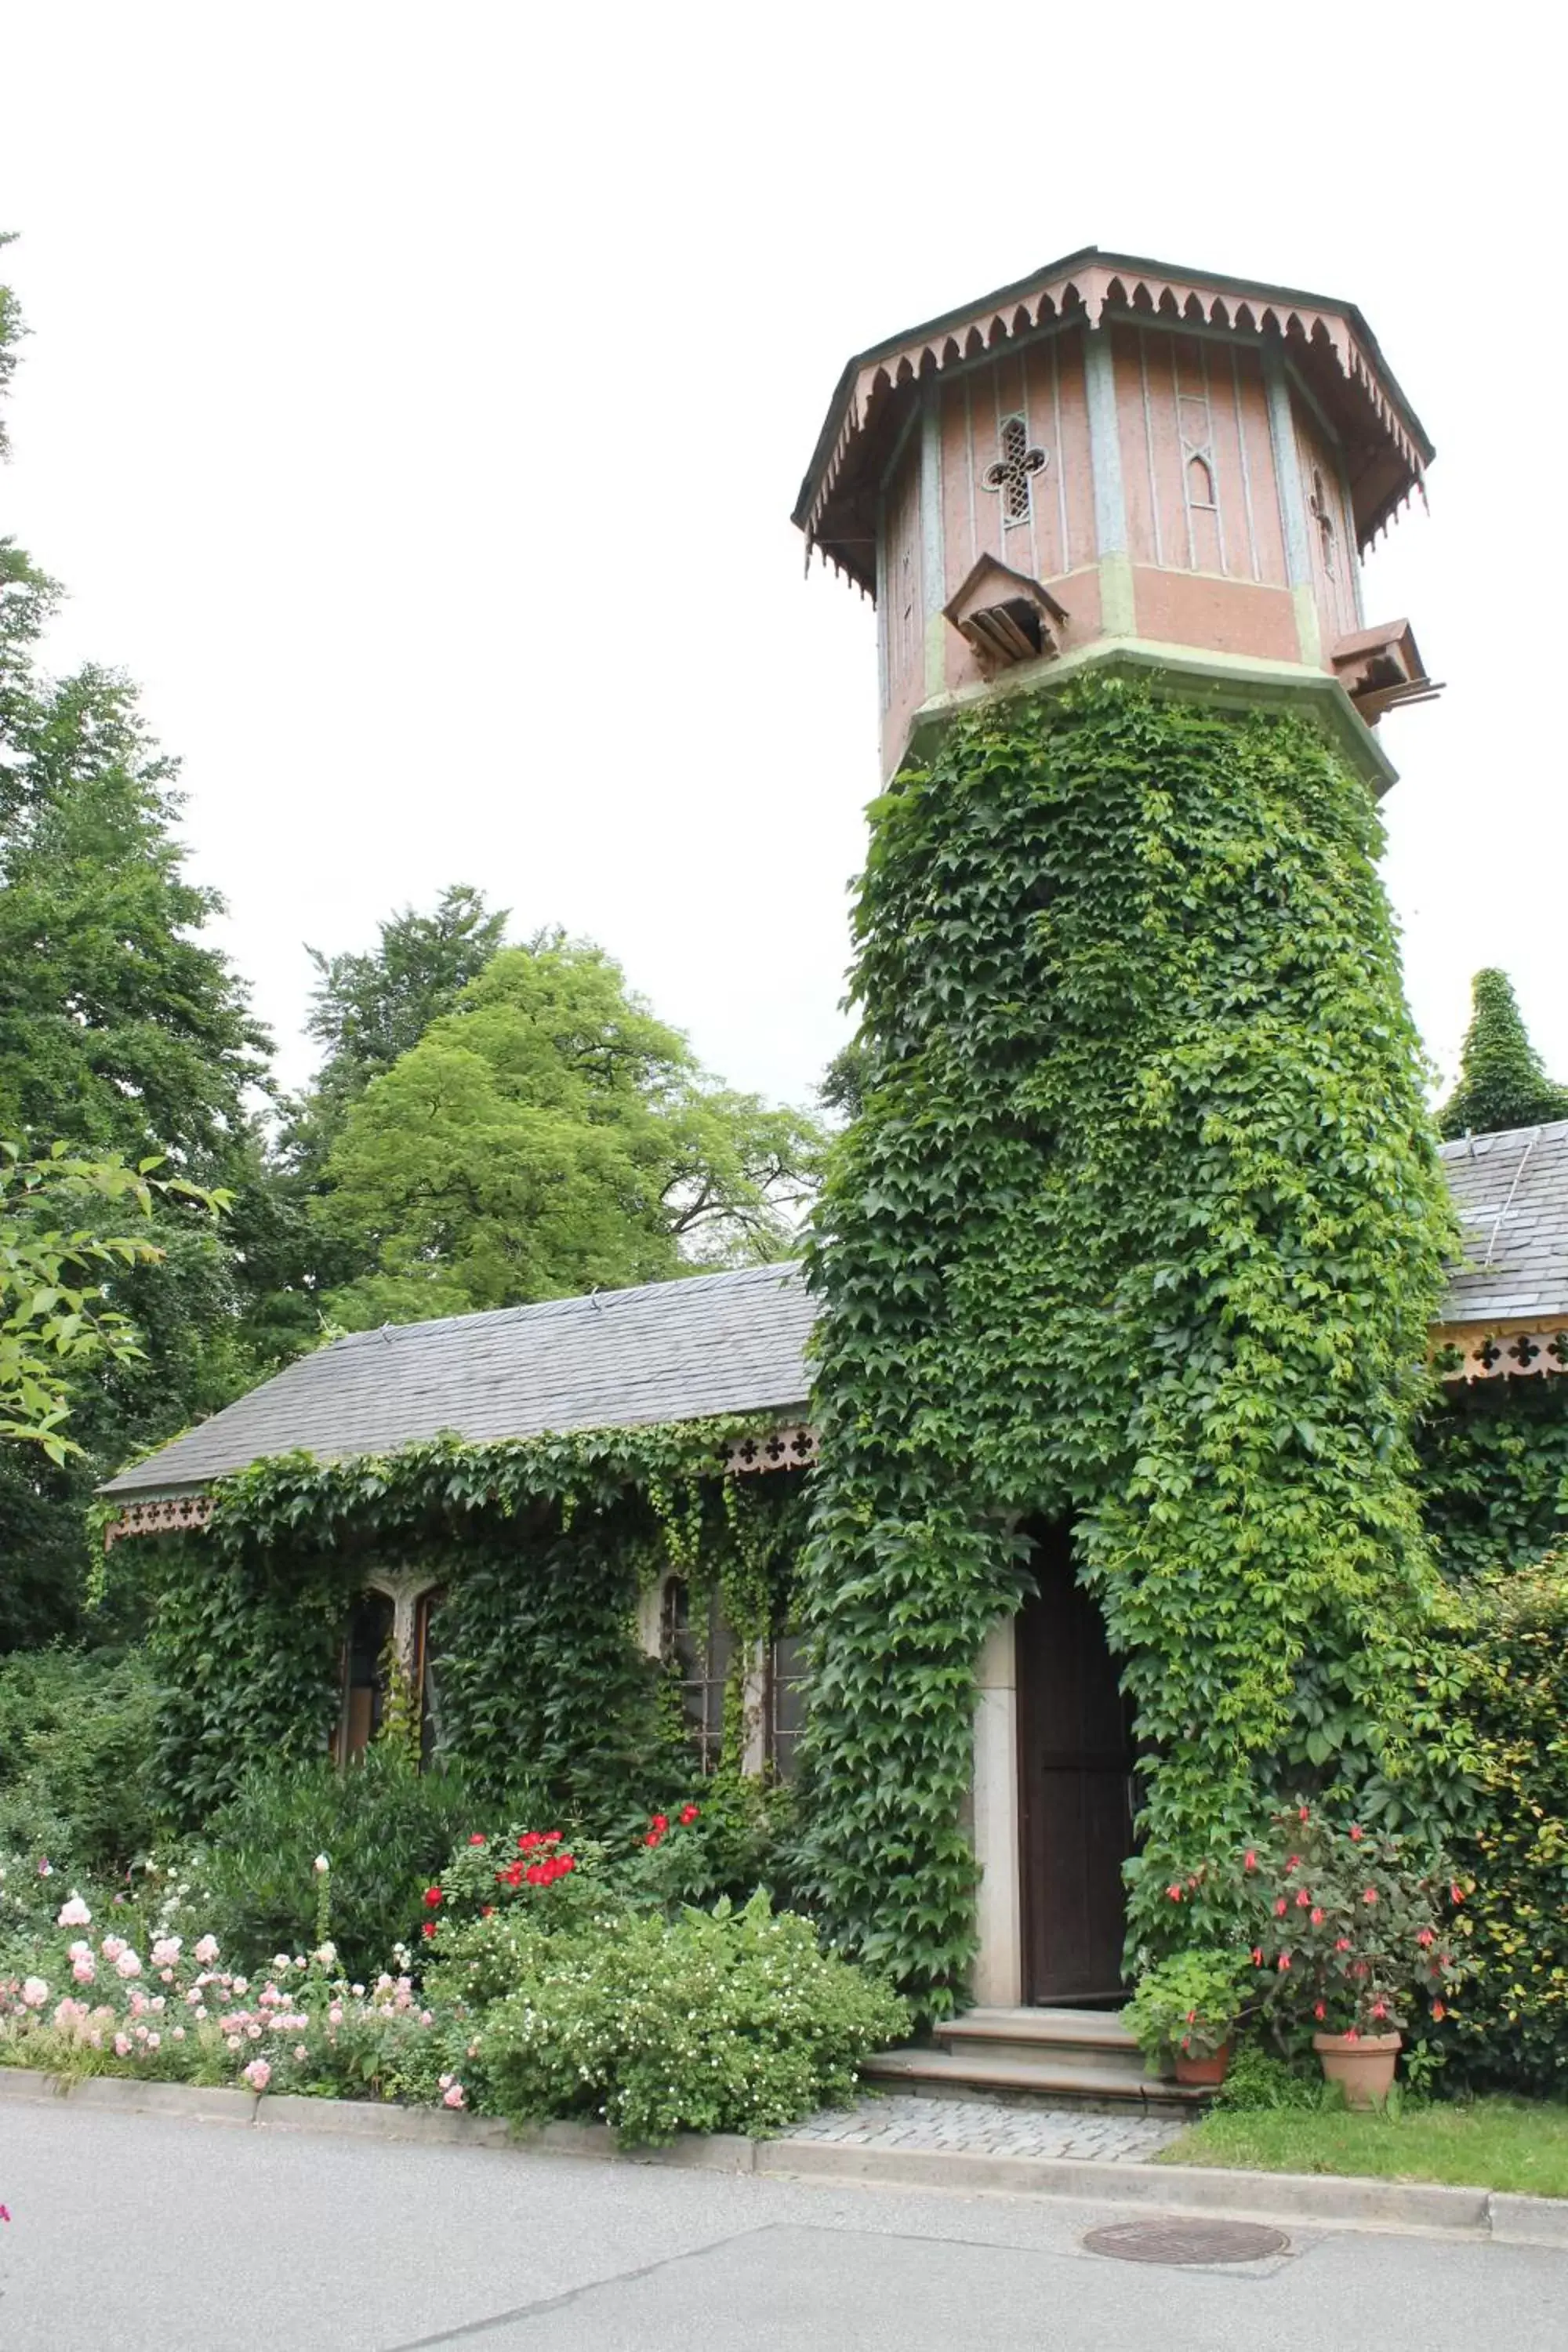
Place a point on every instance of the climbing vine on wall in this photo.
(1141, 1222)
(1494, 1472)
(541, 1548)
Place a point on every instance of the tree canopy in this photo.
(1502, 1082)
(552, 1135)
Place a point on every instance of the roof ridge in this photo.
(577, 1300)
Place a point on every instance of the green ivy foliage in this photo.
(541, 1548)
(1499, 1671)
(1494, 1472)
(1141, 1222)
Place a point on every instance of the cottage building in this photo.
(1111, 466)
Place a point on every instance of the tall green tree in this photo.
(1502, 1081)
(123, 1030)
(551, 1136)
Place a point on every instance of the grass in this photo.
(1484, 2143)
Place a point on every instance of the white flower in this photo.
(322, 1863)
(207, 1951)
(166, 1951)
(34, 1992)
(126, 1965)
(75, 1914)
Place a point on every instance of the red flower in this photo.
(653, 1837)
(1351, 2034)
(1456, 1893)
(1258, 1955)
(688, 1814)
(1174, 1893)
(1318, 2011)
(527, 1840)
(1303, 1898)
(1341, 1943)
(567, 1861)
(1294, 1864)
(659, 1821)
(1371, 1894)
(1438, 2011)
(536, 1875)
(428, 1928)
(432, 1896)
(476, 1837)
(488, 1911)
(1317, 1915)
(1250, 1860)
(1284, 1962)
(1380, 2009)
(1423, 1936)
(1357, 1831)
(1280, 1909)
(549, 1837)
(1304, 1815)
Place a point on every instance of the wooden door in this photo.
(1076, 1765)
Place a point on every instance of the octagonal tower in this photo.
(1117, 460)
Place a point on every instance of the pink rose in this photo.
(207, 1951)
(453, 2097)
(74, 1914)
(259, 2073)
(126, 1965)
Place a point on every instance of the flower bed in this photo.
(548, 1978)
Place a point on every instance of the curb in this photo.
(1286, 2199)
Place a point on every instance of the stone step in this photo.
(1039, 2080)
(1095, 2040)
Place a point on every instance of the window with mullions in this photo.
(367, 1653)
(698, 1649)
(787, 1702)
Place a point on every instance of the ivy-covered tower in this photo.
(1126, 1264)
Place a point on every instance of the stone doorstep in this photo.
(1316, 2200)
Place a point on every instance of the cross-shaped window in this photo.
(1011, 473)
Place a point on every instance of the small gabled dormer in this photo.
(1004, 616)
(1380, 667)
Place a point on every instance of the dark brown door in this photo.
(1076, 1763)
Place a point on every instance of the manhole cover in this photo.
(1169, 2241)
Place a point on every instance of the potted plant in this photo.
(1348, 1935)
(1186, 2008)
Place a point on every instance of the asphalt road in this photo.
(134, 2233)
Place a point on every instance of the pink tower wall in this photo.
(1202, 524)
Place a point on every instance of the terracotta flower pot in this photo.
(1362, 2062)
(1210, 2070)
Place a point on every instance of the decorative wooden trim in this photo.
(163, 1515)
(790, 1447)
(1096, 286)
(1515, 1348)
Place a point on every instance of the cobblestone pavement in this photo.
(987, 2128)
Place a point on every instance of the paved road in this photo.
(134, 2233)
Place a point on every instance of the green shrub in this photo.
(720, 2021)
(76, 1758)
(1503, 1666)
(1189, 2004)
(386, 1828)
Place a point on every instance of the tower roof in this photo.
(1336, 352)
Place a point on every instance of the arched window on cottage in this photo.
(390, 1630)
(698, 1649)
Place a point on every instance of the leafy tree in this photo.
(551, 1136)
(368, 1010)
(122, 1032)
(846, 1080)
(1502, 1082)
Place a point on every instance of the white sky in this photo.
(417, 396)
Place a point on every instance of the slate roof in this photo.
(1511, 1194)
(721, 1343)
(668, 1351)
